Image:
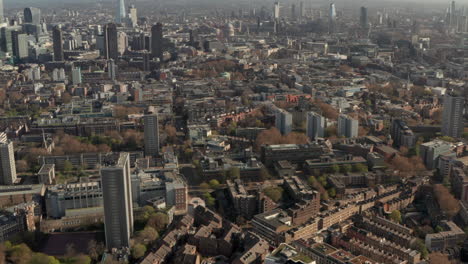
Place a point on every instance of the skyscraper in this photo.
(276, 10)
(32, 15)
(283, 121)
(151, 134)
(111, 46)
(301, 9)
(121, 13)
(132, 13)
(331, 18)
(315, 125)
(117, 198)
(452, 115)
(58, 43)
(347, 127)
(364, 20)
(453, 18)
(2, 15)
(293, 11)
(111, 69)
(20, 45)
(7, 163)
(76, 76)
(157, 41)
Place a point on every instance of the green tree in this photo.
(158, 221)
(421, 247)
(359, 167)
(334, 168)
(209, 200)
(214, 184)
(346, 168)
(438, 229)
(323, 180)
(332, 192)
(264, 174)
(205, 186)
(147, 235)
(234, 173)
(19, 254)
(147, 212)
(138, 251)
(67, 166)
(275, 193)
(312, 180)
(396, 216)
(41, 258)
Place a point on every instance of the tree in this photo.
(332, 192)
(95, 249)
(274, 193)
(41, 258)
(328, 111)
(438, 229)
(346, 168)
(138, 251)
(22, 165)
(148, 235)
(205, 186)
(171, 133)
(264, 174)
(67, 166)
(359, 167)
(158, 221)
(421, 247)
(209, 200)
(78, 259)
(312, 180)
(446, 201)
(396, 216)
(19, 254)
(335, 168)
(214, 184)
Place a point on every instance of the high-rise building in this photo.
(146, 61)
(283, 121)
(58, 43)
(111, 69)
(20, 45)
(7, 163)
(6, 40)
(347, 127)
(151, 134)
(111, 46)
(332, 18)
(76, 76)
(132, 15)
(276, 10)
(2, 15)
(157, 41)
(401, 134)
(293, 11)
(117, 197)
(452, 115)
(364, 19)
(122, 42)
(301, 9)
(453, 16)
(32, 15)
(121, 13)
(315, 125)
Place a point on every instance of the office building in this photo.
(6, 34)
(2, 15)
(430, 152)
(117, 197)
(283, 121)
(32, 15)
(315, 126)
(364, 19)
(301, 9)
(111, 46)
(58, 43)
(111, 69)
(20, 45)
(121, 13)
(331, 18)
(151, 134)
(293, 11)
(347, 127)
(132, 15)
(157, 41)
(76, 76)
(276, 10)
(452, 115)
(7, 164)
(402, 135)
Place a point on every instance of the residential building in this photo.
(7, 164)
(315, 127)
(283, 121)
(347, 127)
(452, 115)
(151, 135)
